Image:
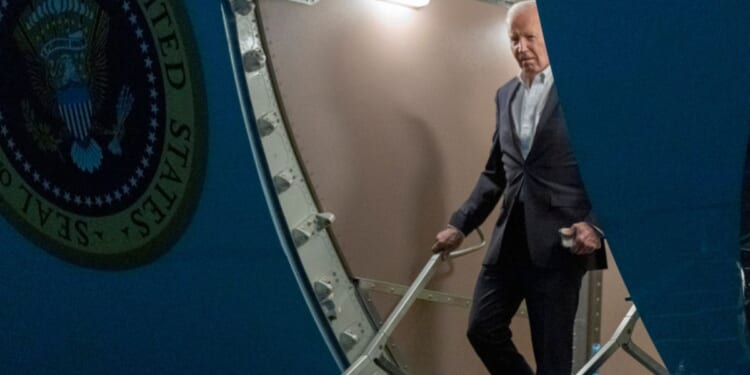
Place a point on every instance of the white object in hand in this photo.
(567, 237)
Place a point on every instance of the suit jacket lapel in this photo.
(512, 121)
(552, 102)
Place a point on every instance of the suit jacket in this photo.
(547, 181)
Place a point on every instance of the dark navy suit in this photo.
(525, 259)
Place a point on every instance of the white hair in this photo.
(517, 7)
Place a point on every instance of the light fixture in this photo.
(409, 3)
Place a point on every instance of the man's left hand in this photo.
(586, 240)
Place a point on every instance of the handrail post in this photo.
(377, 345)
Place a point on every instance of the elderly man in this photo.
(532, 169)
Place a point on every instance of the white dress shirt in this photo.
(527, 107)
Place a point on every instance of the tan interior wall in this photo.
(393, 111)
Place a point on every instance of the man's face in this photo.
(527, 42)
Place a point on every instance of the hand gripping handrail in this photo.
(375, 349)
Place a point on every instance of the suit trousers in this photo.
(551, 301)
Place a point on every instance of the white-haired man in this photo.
(532, 168)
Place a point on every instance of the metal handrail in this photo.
(376, 347)
(622, 338)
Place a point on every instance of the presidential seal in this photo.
(102, 130)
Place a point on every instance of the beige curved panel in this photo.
(392, 110)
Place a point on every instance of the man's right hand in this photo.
(448, 239)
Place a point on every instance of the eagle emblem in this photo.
(64, 43)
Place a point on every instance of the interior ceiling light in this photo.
(410, 3)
